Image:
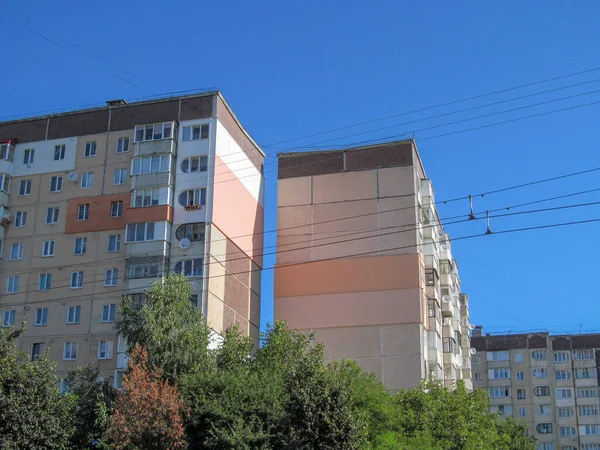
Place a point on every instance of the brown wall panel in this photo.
(28, 131)
(196, 107)
(126, 117)
(308, 164)
(78, 124)
(148, 214)
(99, 214)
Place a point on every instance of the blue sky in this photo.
(292, 69)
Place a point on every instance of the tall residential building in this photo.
(548, 382)
(364, 262)
(98, 203)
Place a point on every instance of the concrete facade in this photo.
(550, 383)
(360, 262)
(94, 205)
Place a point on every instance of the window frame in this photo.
(111, 277)
(194, 262)
(89, 180)
(135, 226)
(45, 281)
(76, 319)
(25, 187)
(42, 315)
(78, 278)
(86, 212)
(122, 145)
(59, 152)
(154, 197)
(20, 219)
(163, 159)
(58, 179)
(19, 246)
(108, 349)
(122, 176)
(109, 312)
(116, 209)
(9, 317)
(72, 345)
(55, 211)
(89, 149)
(28, 156)
(12, 284)
(152, 128)
(51, 245)
(82, 240)
(117, 242)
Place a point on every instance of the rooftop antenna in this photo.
(487, 215)
(471, 213)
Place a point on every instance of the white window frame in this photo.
(75, 317)
(105, 349)
(499, 373)
(59, 152)
(144, 165)
(562, 375)
(16, 251)
(476, 359)
(188, 132)
(522, 412)
(45, 281)
(111, 277)
(41, 317)
(561, 357)
(117, 243)
(196, 267)
(57, 180)
(565, 411)
(539, 372)
(20, 219)
(70, 350)
(154, 129)
(28, 156)
(109, 312)
(119, 177)
(142, 194)
(147, 226)
(590, 372)
(89, 149)
(564, 393)
(54, 212)
(116, 209)
(83, 212)
(122, 145)
(87, 180)
(9, 317)
(48, 248)
(587, 410)
(25, 188)
(188, 163)
(538, 355)
(5, 183)
(584, 355)
(76, 280)
(12, 284)
(588, 392)
(519, 375)
(505, 390)
(82, 241)
(195, 197)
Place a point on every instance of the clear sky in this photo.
(289, 69)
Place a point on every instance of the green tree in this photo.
(168, 326)
(94, 405)
(33, 414)
(512, 436)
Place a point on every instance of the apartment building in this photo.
(99, 203)
(364, 262)
(548, 382)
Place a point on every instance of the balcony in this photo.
(7, 151)
(147, 148)
(155, 138)
(158, 248)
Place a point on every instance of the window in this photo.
(119, 379)
(563, 375)
(108, 312)
(28, 156)
(83, 212)
(193, 197)
(587, 392)
(195, 132)
(505, 410)
(500, 355)
(111, 277)
(41, 317)
(73, 314)
(153, 132)
(87, 180)
(499, 391)
(540, 372)
(6, 152)
(520, 375)
(589, 430)
(585, 373)
(189, 267)
(8, 318)
(140, 232)
(90, 149)
(588, 410)
(64, 386)
(499, 373)
(70, 351)
(105, 349)
(561, 357)
(116, 209)
(77, 279)
(144, 270)
(48, 248)
(52, 215)
(150, 164)
(541, 391)
(563, 393)
(538, 354)
(521, 394)
(16, 252)
(194, 164)
(565, 412)
(477, 359)
(36, 350)
(45, 281)
(123, 145)
(145, 197)
(522, 412)
(20, 219)
(119, 176)
(114, 243)
(56, 184)
(431, 304)
(12, 284)
(544, 428)
(545, 409)
(80, 246)
(477, 377)
(518, 357)
(590, 447)
(194, 300)
(5, 182)
(195, 232)
(567, 431)
(137, 299)
(583, 354)
(59, 152)
(25, 187)
(568, 447)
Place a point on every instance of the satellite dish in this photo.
(444, 247)
(472, 351)
(445, 298)
(459, 360)
(72, 176)
(184, 243)
(471, 326)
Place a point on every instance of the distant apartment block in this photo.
(364, 262)
(99, 203)
(550, 383)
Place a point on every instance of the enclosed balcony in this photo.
(143, 271)
(155, 138)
